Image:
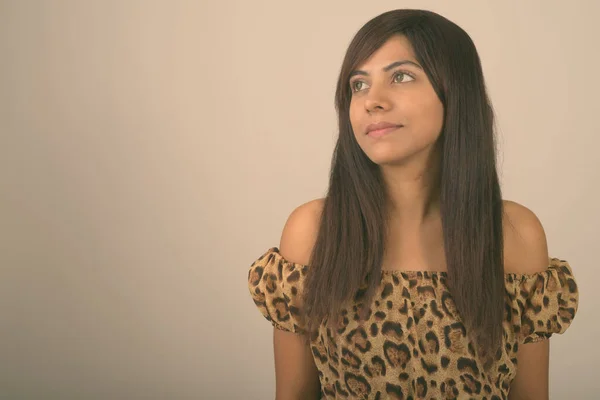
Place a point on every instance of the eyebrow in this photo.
(386, 69)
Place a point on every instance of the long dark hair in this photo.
(349, 249)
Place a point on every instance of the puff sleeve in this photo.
(546, 302)
(275, 285)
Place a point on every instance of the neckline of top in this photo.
(413, 272)
(427, 273)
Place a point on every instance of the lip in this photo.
(381, 132)
(381, 127)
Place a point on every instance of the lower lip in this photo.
(381, 132)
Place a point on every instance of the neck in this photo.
(413, 195)
(412, 206)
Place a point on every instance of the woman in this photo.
(412, 278)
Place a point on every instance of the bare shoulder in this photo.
(300, 232)
(525, 245)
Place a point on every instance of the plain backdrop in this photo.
(150, 151)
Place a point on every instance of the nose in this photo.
(377, 99)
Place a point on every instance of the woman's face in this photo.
(383, 91)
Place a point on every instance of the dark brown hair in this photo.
(349, 250)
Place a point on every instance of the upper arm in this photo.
(527, 253)
(296, 374)
(531, 381)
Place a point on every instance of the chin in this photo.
(388, 159)
(387, 153)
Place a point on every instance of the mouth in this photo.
(376, 133)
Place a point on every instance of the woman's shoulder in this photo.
(300, 232)
(525, 245)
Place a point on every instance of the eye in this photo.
(403, 74)
(353, 85)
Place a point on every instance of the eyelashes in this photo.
(397, 73)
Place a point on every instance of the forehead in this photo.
(395, 48)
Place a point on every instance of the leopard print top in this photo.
(414, 345)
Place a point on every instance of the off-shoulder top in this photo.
(414, 345)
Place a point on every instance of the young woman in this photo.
(412, 278)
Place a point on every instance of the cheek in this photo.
(354, 120)
(428, 115)
(352, 113)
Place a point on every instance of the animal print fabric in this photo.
(414, 345)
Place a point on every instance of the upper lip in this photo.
(381, 125)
